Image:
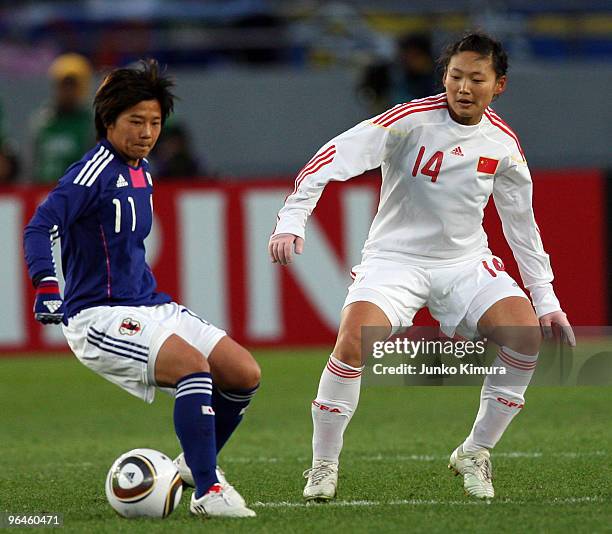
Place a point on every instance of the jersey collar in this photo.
(106, 143)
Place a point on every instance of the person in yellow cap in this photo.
(61, 130)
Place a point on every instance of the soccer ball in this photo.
(143, 483)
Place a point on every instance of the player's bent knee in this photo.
(251, 375)
(255, 376)
(188, 363)
(233, 367)
(195, 362)
(348, 348)
(250, 372)
(531, 341)
(527, 340)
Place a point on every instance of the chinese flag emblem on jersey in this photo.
(487, 165)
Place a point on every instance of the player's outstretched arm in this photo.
(349, 154)
(281, 247)
(559, 319)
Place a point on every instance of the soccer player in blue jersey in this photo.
(114, 320)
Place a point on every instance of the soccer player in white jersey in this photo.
(114, 319)
(441, 158)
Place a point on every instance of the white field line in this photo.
(424, 502)
(58, 464)
(377, 458)
(418, 457)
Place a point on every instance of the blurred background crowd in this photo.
(263, 83)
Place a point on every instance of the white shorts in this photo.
(457, 296)
(121, 343)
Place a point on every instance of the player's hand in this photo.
(558, 319)
(48, 306)
(281, 247)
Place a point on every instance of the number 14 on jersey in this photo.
(432, 167)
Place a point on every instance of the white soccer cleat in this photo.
(220, 503)
(322, 481)
(476, 470)
(184, 471)
(187, 477)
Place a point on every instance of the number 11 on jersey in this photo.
(117, 204)
(432, 167)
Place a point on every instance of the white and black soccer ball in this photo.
(143, 483)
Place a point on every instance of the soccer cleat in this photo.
(184, 471)
(476, 470)
(187, 477)
(218, 502)
(322, 481)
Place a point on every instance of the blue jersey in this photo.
(102, 210)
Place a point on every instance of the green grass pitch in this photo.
(61, 427)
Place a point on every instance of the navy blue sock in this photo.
(194, 422)
(229, 408)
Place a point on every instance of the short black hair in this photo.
(126, 87)
(482, 44)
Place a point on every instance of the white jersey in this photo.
(437, 177)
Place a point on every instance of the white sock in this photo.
(501, 398)
(333, 408)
